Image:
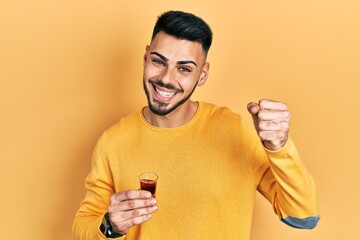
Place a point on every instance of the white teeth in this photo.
(165, 94)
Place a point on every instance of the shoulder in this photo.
(125, 126)
(224, 119)
(218, 113)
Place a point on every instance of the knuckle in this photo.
(131, 204)
(152, 209)
(285, 125)
(262, 134)
(136, 213)
(264, 102)
(128, 194)
(267, 135)
(135, 221)
(287, 115)
(281, 134)
(148, 202)
(268, 125)
(260, 125)
(261, 114)
(276, 126)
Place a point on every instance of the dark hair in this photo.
(184, 26)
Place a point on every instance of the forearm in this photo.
(87, 227)
(293, 191)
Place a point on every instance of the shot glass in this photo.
(148, 182)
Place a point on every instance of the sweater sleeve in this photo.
(289, 187)
(99, 188)
(281, 177)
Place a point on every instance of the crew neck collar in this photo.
(184, 126)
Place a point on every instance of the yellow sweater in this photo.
(209, 170)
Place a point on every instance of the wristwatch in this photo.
(106, 228)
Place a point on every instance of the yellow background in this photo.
(70, 69)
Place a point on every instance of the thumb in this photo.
(253, 108)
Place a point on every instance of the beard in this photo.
(162, 108)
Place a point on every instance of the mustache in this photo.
(163, 85)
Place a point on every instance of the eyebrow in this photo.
(178, 62)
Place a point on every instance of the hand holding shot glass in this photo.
(148, 182)
(133, 207)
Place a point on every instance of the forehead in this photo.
(176, 49)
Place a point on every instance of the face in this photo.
(173, 68)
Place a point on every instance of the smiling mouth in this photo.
(164, 94)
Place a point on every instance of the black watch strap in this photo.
(106, 228)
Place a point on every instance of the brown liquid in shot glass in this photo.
(148, 182)
(148, 185)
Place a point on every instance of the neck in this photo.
(176, 118)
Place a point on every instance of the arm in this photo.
(284, 180)
(290, 188)
(125, 209)
(99, 188)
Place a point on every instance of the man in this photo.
(209, 163)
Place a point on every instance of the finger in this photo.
(274, 136)
(137, 213)
(272, 105)
(253, 108)
(269, 115)
(131, 194)
(131, 204)
(124, 226)
(273, 125)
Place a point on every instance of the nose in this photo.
(168, 76)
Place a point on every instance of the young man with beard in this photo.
(210, 163)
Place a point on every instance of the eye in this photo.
(184, 69)
(158, 62)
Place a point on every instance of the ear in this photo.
(147, 48)
(204, 74)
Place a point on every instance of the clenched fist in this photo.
(271, 120)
